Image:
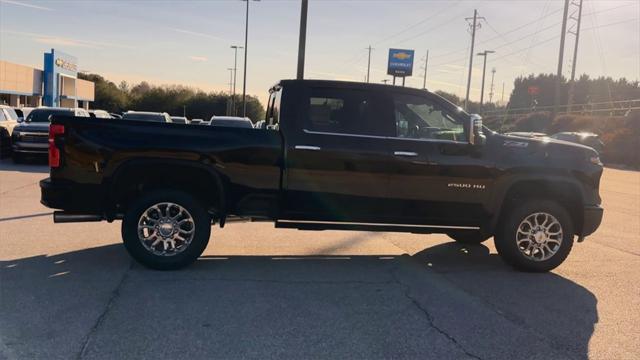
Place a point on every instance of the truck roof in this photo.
(351, 85)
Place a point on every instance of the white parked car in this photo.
(232, 121)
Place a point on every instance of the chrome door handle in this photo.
(307, 147)
(405, 153)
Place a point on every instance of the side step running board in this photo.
(65, 217)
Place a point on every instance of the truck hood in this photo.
(33, 127)
(546, 150)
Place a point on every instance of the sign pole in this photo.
(403, 81)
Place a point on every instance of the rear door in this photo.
(337, 157)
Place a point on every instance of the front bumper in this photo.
(32, 148)
(591, 219)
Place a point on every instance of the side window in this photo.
(342, 111)
(419, 117)
(2, 115)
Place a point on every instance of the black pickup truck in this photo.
(333, 155)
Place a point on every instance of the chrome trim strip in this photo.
(30, 145)
(378, 224)
(307, 147)
(405, 153)
(384, 137)
(340, 134)
(44, 134)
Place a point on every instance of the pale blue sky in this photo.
(187, 42)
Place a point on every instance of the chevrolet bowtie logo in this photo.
(401, 56)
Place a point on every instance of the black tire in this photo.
(202, 227)
(505, 238)
(469, 237)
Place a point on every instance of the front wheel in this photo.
(535, 236)
(166, 229)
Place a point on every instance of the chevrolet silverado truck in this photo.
(333, 155)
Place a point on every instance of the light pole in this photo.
(484, 69)
(235, 68)
(244, 77)
(302, 38)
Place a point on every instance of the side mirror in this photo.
(476, 135)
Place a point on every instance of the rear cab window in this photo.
(344, 111)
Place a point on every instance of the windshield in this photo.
(42, 116)
(12, 114)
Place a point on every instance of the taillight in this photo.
(54, 152)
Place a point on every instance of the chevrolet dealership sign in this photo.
(400, 62)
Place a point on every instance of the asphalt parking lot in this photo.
(71, 291)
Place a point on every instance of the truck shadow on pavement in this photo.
(447, 301)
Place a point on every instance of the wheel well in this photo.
(564, 193)
(204, 185)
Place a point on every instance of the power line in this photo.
(449, 7)
(502, 35)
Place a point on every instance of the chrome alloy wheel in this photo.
(539, 236)
(166, 229)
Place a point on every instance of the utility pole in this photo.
(556, 101)
(575, 52)
(235, 68)
(475, 25)
(230, 102)
(302, 40)
(426, 65)
(484, 70)
(493, 75)
(244, 77)
(369, 64)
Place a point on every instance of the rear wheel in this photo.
(535, 236)
(469, 237)
(166, 229)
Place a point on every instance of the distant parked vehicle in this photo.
(527, 134)
(584, 138)
(147, 116)
(115, 116)
(23, 112)
(231, 121)
(100, 114)
(8, 121)
(262, 124)
(31, 137)
(197, 122)
(180, 119)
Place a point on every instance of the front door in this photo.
(439, 178)
(338, 160)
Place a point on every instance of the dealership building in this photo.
(57, 85)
